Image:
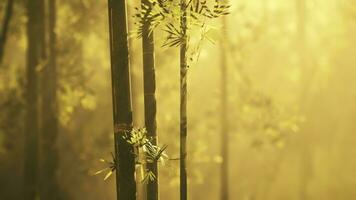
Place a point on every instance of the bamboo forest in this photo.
(177, 100)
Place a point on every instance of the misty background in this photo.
(291, 97)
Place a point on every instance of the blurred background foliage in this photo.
(285, 102)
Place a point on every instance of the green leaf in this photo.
(108, 175)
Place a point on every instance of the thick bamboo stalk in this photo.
(49, 187)
(121, 94)
(31, 126)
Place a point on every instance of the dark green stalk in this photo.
(121, 94)
(183, 103)
(149, 78)
(31, 127)
(50, 112)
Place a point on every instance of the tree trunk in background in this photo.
(300, 4)
(265, 8)
(5, 27)
(149, 78)
(183, 103)
(224, 184)
(305, 168)
(121, 93)
(31, 126)
(49, 187)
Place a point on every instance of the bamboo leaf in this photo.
(108, 175)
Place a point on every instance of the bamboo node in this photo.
(122, 128)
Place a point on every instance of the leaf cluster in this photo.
(168, 15)
(152, 153)
(111, 167)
